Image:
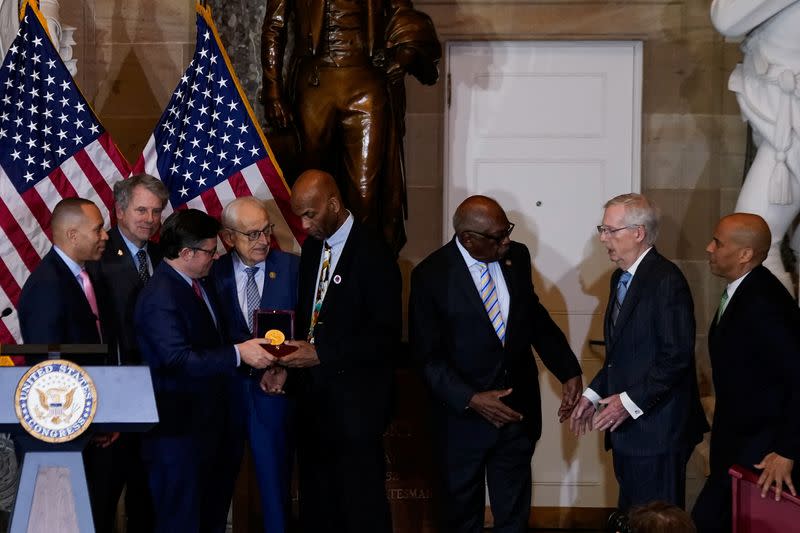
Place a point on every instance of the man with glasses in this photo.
(252, 276)
(473, 318)
(645, 394)
(177, 319)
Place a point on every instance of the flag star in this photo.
(178, 94)
(184, 78)
(195, 87)
(77, 139)
(21, 86)
(51, 63)
(65, 85)
(79, 106)
(62, 134)
(50, 80)
(20, 103)
(44, 164)
(30, 160)
(48, 96)
(64, 101)
(237, 160)
(191, 158)
(182, 136)
(78, 123)
(15, 154)
(183, 190)
(63, 117)
(239, 145)
(209, 148)
(199, 125)
(18, 121)
(232, 105)
(205, 165)
(7, 100)
(4, 117)
(213, 59)
(48, 113)
(32, 126)
(28, 176)
(190, 104)
(35, 76)
(194, 142)
(229, 122)
(8, 83)
(171, 131)
(201, 181)
(219, 99)
(222, 154)
(166, 146)
(203, 53)
(31, 142)
(187, 176)
(212, 132)
(13, 49)
(17, 137)
(174, 168)
(218, 171)
(215, 115)
(37, 41)
(199, 69)
(60, 151)
(33, 110)
(172, 111)
(36, 58)
(207, 93)
(178, 152)
(3, 133)
(210, 76)
(243, 128)
(223, 82)
(226, 138)
(203, 110)
(46, 147)
(186, 120)
(254, 151)
(206, 35)
(94, 129)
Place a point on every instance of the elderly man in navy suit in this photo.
(250, 277)
(645, 394)
(754, 345)
(178, 322)
(474, 318)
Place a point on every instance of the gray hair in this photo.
(639, 211)
(229, 219)
(123, 189)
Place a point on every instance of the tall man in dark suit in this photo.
(63, 303)
(754, 344)
(125, 266)
(251, 277)
(646, 391)
(349, 313)
(473, 319)
(177, 322)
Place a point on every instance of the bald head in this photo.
(482, 228)
(740, 243)
(317, 201)
(78, 229)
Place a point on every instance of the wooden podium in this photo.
(52, 494)
(754, 514)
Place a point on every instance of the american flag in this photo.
(208, 148)
(52, 146)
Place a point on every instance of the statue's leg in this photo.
(316, 112)
(753, 198)
(363, 121)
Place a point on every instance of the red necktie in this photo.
(198, 290)
(88, 290)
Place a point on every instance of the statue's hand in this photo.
(277, 114)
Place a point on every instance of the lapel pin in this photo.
(272, 275)
(337, 279)
(119, 253)
(508, 262)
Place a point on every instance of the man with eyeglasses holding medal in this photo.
(248, 278)
(473, 319)
(645, 394)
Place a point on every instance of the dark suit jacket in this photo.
(279, 292)
(650, 355)
(755, 357)
(53, 309)
(190, 365)
(453, 338)
(357, 335)
(120, 277)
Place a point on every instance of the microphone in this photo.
(7, 311)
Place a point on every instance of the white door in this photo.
(551, 130)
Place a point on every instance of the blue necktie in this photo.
(622, 290)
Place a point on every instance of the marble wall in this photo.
(132, 52)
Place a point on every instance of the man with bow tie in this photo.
(473, 318)
(646, 393)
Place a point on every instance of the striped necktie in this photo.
(491, 303)
(252, 298)
(322, 287)
(622, 290)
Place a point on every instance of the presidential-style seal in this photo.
(55, 401)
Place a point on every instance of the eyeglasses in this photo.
(608, 230)
(498, 239)
(255, 234)
(211, 253)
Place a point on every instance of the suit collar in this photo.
(739, 294)
(633, 294)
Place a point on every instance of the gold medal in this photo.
(275, 337)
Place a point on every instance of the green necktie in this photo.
(723, 302)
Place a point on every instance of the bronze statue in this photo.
(344, 91)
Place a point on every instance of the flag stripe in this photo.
(110, 149)
(239, 185)
(211, 202)
(38, 210)
(101, 164)
(19, 209)
(281, 195)
(62, 185)
(10, 285)
(15, 235)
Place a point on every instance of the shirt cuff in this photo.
(631, 407)
(238, 357)
(592, 396)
